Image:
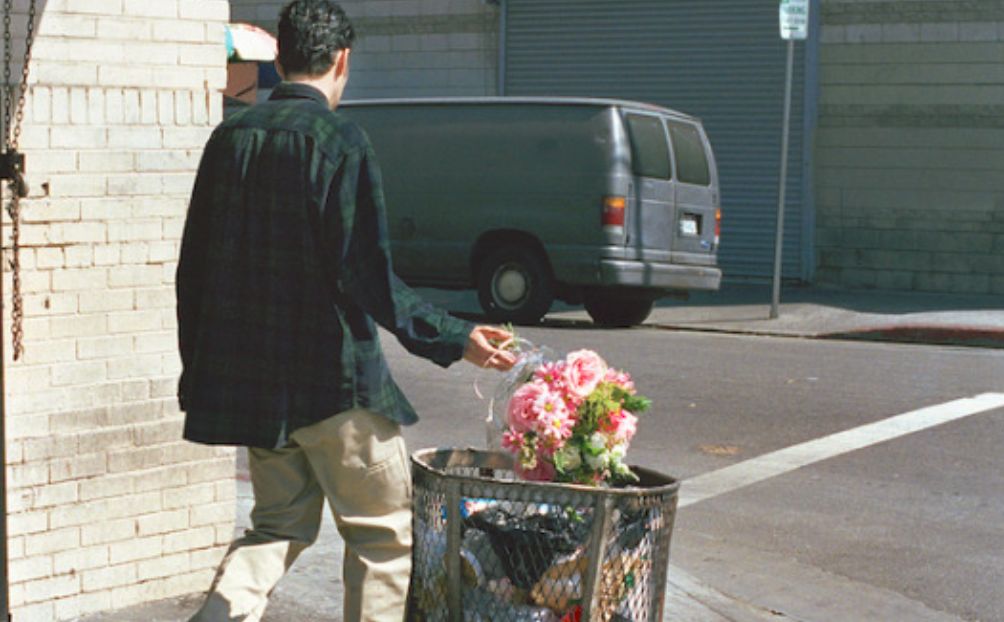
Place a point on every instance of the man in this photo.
(284, 267)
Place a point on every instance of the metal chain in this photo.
(7, 56)
(12, 141)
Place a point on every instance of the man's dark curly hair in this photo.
(310, 32)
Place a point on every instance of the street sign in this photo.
(794, 15)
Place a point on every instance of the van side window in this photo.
(649, 150)
(691, 161)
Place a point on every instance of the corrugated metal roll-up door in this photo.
(722, 61)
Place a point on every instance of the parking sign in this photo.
(794, 16)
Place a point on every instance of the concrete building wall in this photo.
(910, 146)
(410, 48)
(108, 506)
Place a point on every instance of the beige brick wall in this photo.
(108, 506)
(910, 146)
(410, 48)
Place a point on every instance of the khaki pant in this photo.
(357, 461)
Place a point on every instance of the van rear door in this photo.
(651, 214)
(694, 234)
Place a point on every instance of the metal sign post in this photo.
(794, 18)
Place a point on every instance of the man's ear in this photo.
(342, 63)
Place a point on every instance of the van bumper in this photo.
(658, 275)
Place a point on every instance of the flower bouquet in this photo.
(572, 420)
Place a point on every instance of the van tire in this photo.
(515, 285)
(608, 309)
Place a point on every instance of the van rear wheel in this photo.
(607, 308)
(515, 285)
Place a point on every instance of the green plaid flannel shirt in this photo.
(285, 264)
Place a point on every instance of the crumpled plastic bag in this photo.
(528, 545)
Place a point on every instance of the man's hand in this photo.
(486, 347)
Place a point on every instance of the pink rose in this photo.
(621, 379)
(584, 369)
(620, 426)
(522, 413)
(543, 472)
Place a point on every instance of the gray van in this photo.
(609, 203)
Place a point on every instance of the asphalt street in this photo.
(911, 528)
(822, 481)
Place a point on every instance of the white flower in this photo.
(570, 457)
(620, 468)
(596, 443)
(598, 461)
(617, 452)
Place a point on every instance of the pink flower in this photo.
(542, 472)
(554, 420)
(620, 425)
(512, 441)
(522, 414)
(584, 369)
(621, 379)
(551, 374)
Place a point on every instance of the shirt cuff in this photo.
(454, 337)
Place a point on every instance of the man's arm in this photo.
(367, 277)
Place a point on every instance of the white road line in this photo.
(730, 478)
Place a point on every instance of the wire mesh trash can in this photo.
(489, 547)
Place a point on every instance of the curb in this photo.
(918, 334)
(966, 336)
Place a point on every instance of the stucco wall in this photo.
(108, 506)
(910, 146)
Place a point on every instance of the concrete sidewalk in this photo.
(829, 313)
(312, 591)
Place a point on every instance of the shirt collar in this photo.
(296, 90)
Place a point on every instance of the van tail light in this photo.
(718, 225)
(613, 212)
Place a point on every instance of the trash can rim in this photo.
(426, 458)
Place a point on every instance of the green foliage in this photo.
(577, 461)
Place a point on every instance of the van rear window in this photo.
(649, 150)
(691, 161)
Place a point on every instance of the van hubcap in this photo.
(510, 286)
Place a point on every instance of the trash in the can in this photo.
(480, 604)
(575, 615)
(470, 506)
(480, 563)
(560, 587)
(528, 552)
(527, 545)
(430, 584)
(618, 577)
(634, 526)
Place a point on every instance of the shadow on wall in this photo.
(887, 302)
(22, 11)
